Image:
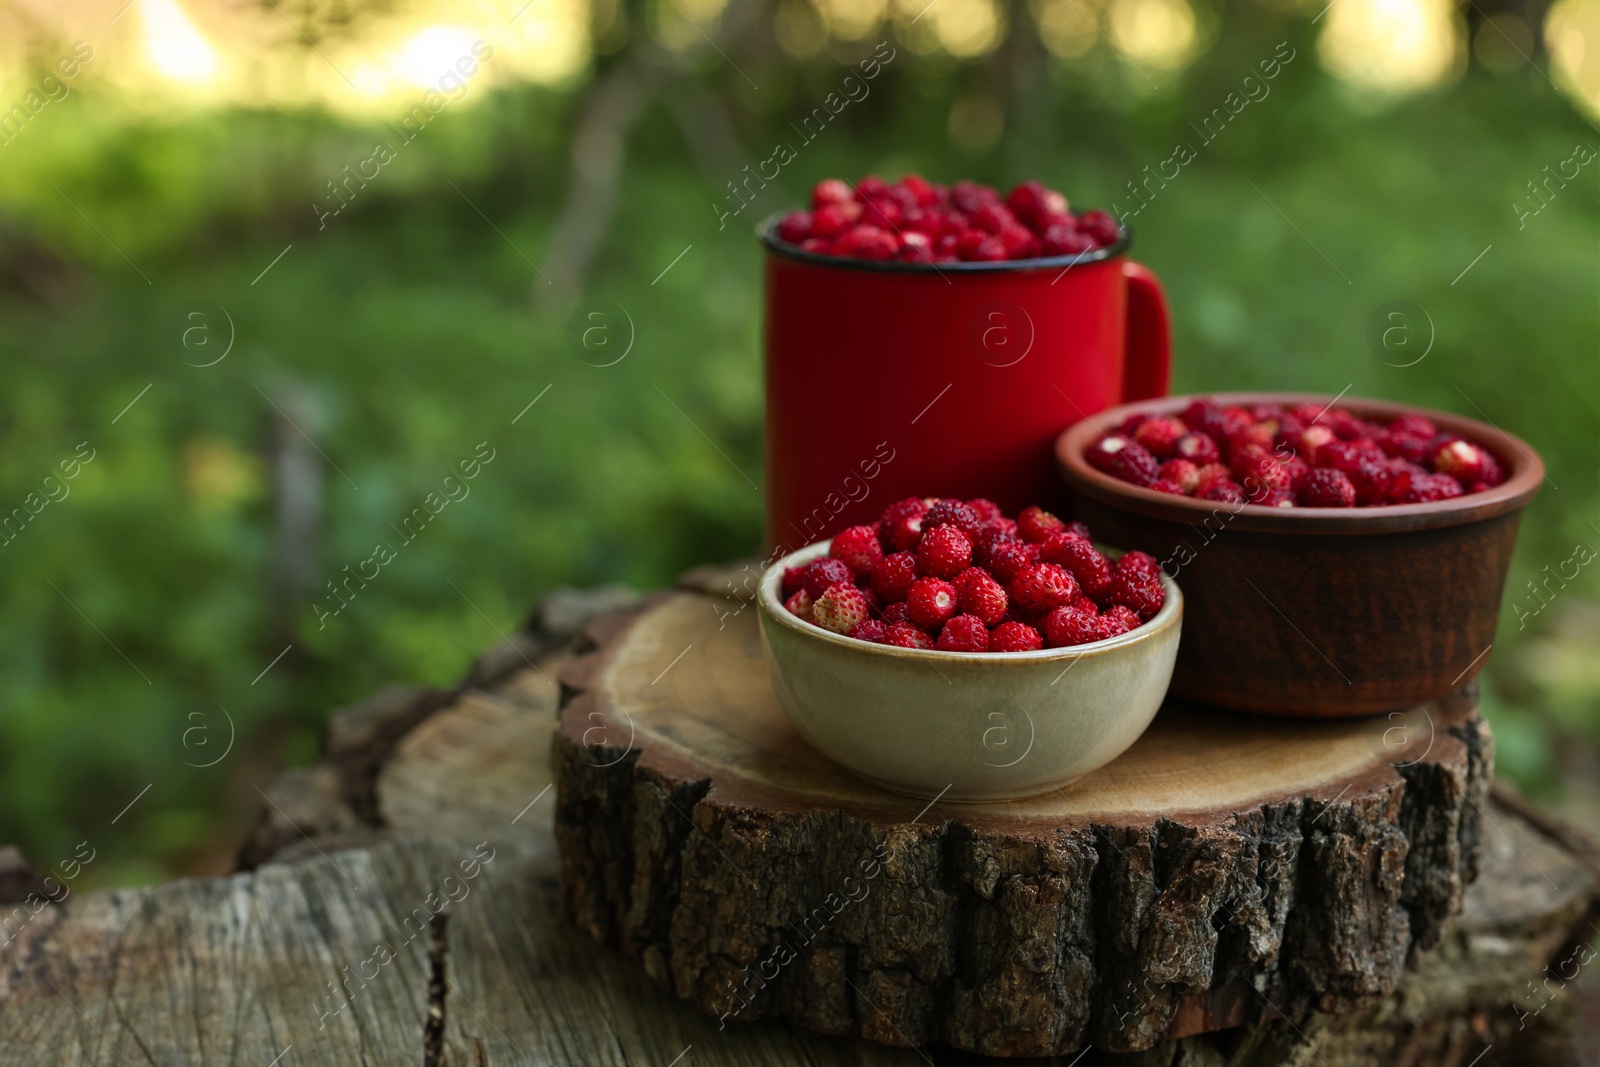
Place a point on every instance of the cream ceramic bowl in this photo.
(965, 725)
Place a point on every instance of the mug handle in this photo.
(1147, 364)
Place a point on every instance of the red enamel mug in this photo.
(887, 380)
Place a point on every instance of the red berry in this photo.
(1013, 636)
(1064, 239)
(858, 547)
(1160, 435)
(931, 602)
(1225, 490)
(1182, 472)
(1139, 563)
(970, 196)
(1413, 448)
(1208, 475)
(920, 190)
(944, 552)
(800, 604)
(915, 248)
(893, 574)
(1080, 529)
(794, 579)
(867, 242)
(962, 516)
(1042, 587)
(1083, 603)
(905, 635)
(840, 608)
(1197, 448)
(1010, 559)
(1067, 625)
(831, 191)
(1020, 244)
(1099, 227)
(1035, 525)
(1327, 488)
(895, 613)
(1118, 620)
(795, 227)
(1123, 459)
(964, 633)
(1138, 591)
(821, 574)
(870, 630)
(1278, 498)
(1415, 425)
(980, 595)
(834, 219)
(1082, 560)
(1168, 486)
(1462, 460)
(1031, 201)
(900, 526)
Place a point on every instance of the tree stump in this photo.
(277, 964)
(1225, 870)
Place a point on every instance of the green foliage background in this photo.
(420, 332)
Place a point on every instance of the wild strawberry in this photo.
(1278, 498)
(970, 196)
(1035, 525)
(920, 190)
(1099, 227)
(1010, 559)
(1118, 620)
(1256, 435)
(894, 613)
(1223, 490)
(1067, 625)
(1064, 239)
(870, 630)
(905, 635)
(866, 241)
(992, 218)
(944, 552)
(795, 227)
(1080, 529)
(800, 604)
(1327, 488)
(1168, 486)
(954, 513)
(1031, 200)
(893, 574)
(1012, 636)
(1258, 472)
(1491, 475)
(1123, 459)
(964, 633)
(980, 595)
(1415, 425)
(1083, 603)
(1082, 560)
(1182, 472)
(1160, 435)
(1296, 469)
(1001, 527)
(1348, 456)
(1345, 426)
(858, 547)
(1139, 563)
(840, 608)
(1427, 488)
(1043, 586)
(1138, 591)
(975, 246)
(1311, 442)
(831, 191)
(1019, 242)
(1411, 447)
(987, 510)
(1462, 460)
(1197, 448)
(931, 602)
(900, 525)
(794, 579)
(1209, 474)
(832, 220)
(822, 574)
(915, 247)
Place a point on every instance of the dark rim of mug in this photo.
(767, 234)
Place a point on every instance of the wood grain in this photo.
(1222, 870)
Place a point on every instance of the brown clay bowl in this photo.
(1319, 611)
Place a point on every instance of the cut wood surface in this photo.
(1222, 870)
(236, 970)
